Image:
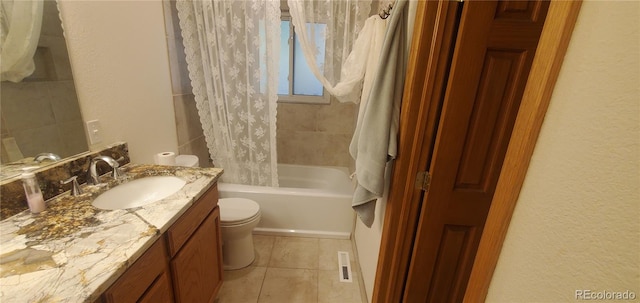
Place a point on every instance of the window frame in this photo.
(292, 98)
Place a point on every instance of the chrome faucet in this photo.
(76, 190)
(42, 156)
(92, 176)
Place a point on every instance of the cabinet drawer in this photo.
(135, 281)
(182, 230)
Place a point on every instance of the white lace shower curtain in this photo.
(232, 50)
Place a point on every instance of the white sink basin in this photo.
(139, 192)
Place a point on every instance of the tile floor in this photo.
(292, 270)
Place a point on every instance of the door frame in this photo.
(417, 118)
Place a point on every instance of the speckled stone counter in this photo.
(72, 252)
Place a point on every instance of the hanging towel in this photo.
(374, 141)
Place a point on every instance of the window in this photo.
(296, 82)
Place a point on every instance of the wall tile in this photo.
(64, 101)
(313, 148)
(180, 82)
(73, 137)
(315, 134)
(187, 119)
(336, 118)
(26, 105)
(301, 117)
(39, 140)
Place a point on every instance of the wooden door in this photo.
(495, 45)
(428, 64)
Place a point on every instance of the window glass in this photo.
(283, 70)
(296, 82)
(304, 82)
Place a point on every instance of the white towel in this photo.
(374, 141)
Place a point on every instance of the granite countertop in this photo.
(73, 252)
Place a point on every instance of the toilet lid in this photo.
(237, 209)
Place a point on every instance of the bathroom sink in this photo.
(139, 192)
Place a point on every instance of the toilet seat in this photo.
(235, 211)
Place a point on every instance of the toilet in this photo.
(187, 160)
(238, 218)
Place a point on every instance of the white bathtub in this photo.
(312, 201)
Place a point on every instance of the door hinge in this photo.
(423, 180)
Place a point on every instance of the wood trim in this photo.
(551, 50)
(427, 71)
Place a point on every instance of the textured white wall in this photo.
(577, 221)
(119, 58)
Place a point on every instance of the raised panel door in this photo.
(197, 268)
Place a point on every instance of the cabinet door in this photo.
(197, 267)
(160, 291)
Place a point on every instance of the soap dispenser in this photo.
(33, 193)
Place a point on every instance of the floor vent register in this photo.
(344, 267)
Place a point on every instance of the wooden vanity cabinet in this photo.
(195, 247)
(145, 280)
(183, 265)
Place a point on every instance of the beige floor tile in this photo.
(263, 246)
(328, 253)
(291, 252)
(331, 290)
(287, 285)
(242, 286)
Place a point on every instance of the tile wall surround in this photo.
(313, 134)
(49, 177)
(191, 139)
(307, 134)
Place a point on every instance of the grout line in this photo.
(353, 259)
(264, 278)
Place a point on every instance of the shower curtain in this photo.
(20, 24)
(227, 44)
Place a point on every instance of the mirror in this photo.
(41, 114)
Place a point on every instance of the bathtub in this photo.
(312, 201)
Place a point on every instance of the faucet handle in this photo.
(117, 173)
(75, 187)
